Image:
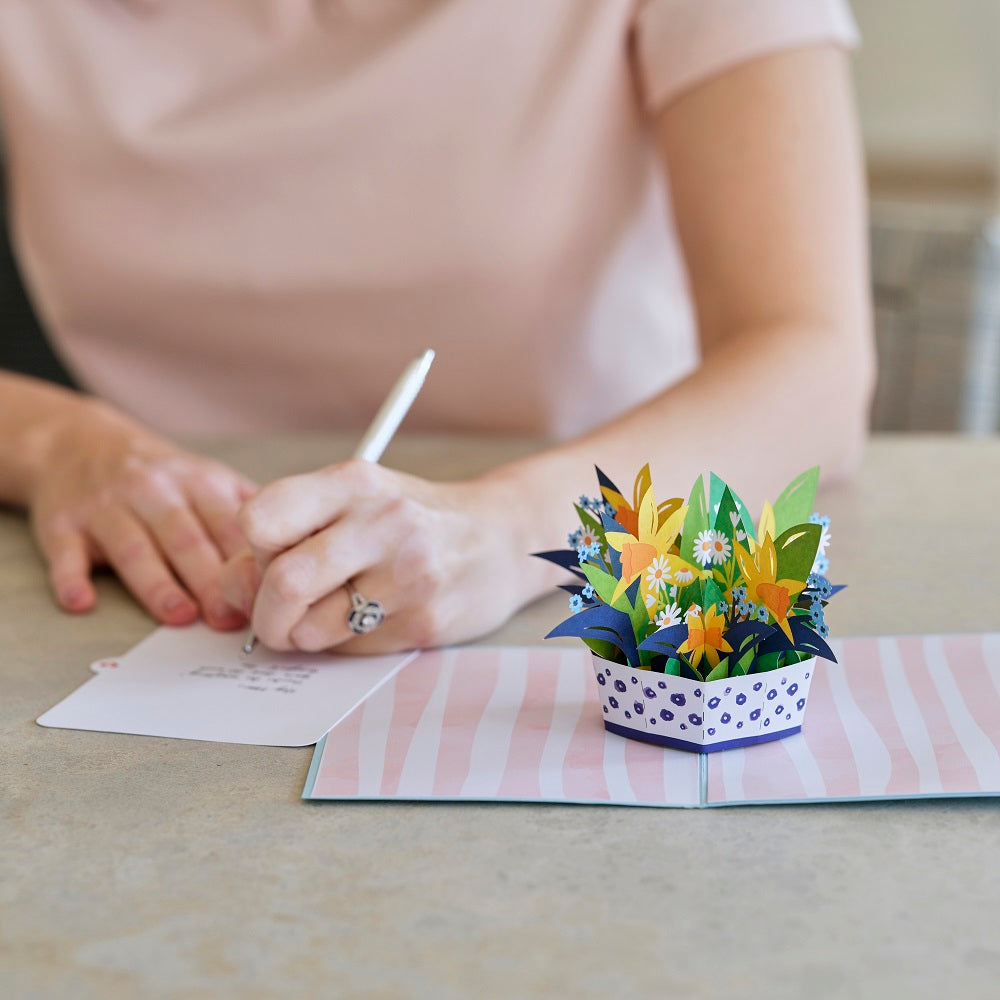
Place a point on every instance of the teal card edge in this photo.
(314, 767)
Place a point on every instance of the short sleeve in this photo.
(679, 43)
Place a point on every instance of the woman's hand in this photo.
(108, 492)
(443, 559)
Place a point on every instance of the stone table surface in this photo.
(146, 867)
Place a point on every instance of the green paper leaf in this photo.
(745, 518)
(691, 594)
(796, 656)
(723, 520)
(728, 500)
(604, 585)
(768, 662)
(605, 650)
(742, 665)
(796, 550)
(695, 521)
(711, 594)
(720, 672)
(716, 488)
(797, 501)
(640, 626)
(672, 667)
(589, 521)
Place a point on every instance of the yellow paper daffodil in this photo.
(760, 571)
(626, 514)
(704, 638)
(765, 526)
(652, 540)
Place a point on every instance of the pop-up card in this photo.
(894, 717)
(704, 628)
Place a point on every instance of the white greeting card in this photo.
(197, 684)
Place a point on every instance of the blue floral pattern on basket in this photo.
(703, 716)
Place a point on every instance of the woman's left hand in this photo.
(440, 558)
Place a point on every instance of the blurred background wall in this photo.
(928, 87)
(928, 81)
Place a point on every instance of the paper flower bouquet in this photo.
(704, 627)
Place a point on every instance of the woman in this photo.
(637, 229)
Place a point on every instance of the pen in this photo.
(390, 415)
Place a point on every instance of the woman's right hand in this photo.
(108, 492)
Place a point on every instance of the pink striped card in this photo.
(896, 717)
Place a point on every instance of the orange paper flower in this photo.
(704, 638)
(759, 570)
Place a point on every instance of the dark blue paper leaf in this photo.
(566, 558)
(688, 671)
(604, 481)
(612, 625)
(804, 640)
(776, 642)
(666, 640)
(744, 635)
(807, 640)
(614, 557)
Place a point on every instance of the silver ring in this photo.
(365, 616)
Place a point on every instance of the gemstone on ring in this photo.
(365, 616)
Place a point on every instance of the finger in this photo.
(67, 555)
(288, 511)
(240, 580)
(421, 616)
(184, 541)
(326, 625)
(302, 576)
(245, 488)
(217, 510)
(415, 626)
(132, 554)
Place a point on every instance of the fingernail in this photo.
(72, 597)
(223, 611)
(241, 598)
(175, 602)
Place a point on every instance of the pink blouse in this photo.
(239, 216)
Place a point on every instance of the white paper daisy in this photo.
(658, 573)
(824, 541)
(670, 615)
(712, 548)
(721, 549)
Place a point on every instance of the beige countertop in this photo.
(145, 867)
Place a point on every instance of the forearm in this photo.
(30, 412)
(763, 406)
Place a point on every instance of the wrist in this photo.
(534, 498)
(65, 427)
(36, 448)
